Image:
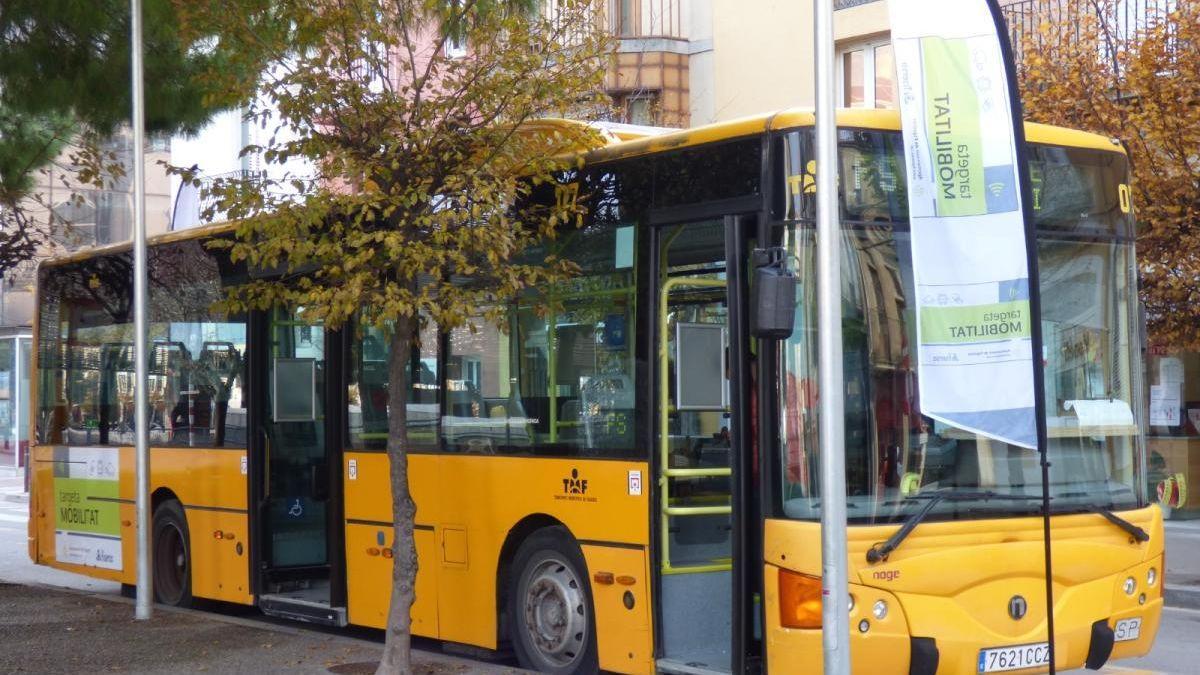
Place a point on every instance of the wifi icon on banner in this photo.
(996, 189)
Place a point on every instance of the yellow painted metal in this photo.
(484, 497)
(696, 569)
(954, 580)
(623, 634)
(217, 502)
(697, 473)
(664, 438)
(369, 574)
(696, 511)
(886, 120)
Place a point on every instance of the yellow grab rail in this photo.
(664, 442)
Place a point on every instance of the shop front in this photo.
(15, 348)
(1173, 430)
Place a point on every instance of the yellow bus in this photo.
(630, 483)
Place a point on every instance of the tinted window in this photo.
(368, 390)
(708, 173)
(558, 382)
(86, 355)
(198, 366)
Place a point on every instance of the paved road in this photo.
(1176, 652)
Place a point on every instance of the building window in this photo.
(638, 108)
(868, 76)
(625, 21)
(456, 47)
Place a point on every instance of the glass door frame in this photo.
(746, 649)
(259, 382)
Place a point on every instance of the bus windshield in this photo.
(896, 457)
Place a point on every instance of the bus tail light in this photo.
(799, 600)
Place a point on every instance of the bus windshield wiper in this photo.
(880, 552)
(1134, 531)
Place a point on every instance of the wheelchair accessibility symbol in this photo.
(296, 509)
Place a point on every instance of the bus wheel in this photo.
(172, 556)
(550, 606)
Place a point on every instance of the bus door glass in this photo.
(297, 462)
(694, 448)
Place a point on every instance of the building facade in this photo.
(83, 217)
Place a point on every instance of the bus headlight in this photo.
(880, 610)
(1130, 586)
(1151, 576)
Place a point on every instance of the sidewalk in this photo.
(12, 486)
(1183, 564)
(50, 630)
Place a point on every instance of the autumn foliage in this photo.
(1093, 65)
(413, 183)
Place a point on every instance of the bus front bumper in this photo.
(1095, 623)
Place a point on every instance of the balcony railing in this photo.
(1123, 20)
(846, 4)
(646, 18)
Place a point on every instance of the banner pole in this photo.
(144, 603)
(835, 633)
(1035, 308)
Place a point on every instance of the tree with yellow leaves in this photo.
(415, 186)
(1093, 65)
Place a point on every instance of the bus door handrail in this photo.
(665, 473)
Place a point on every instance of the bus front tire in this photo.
(172, 556)
(550, 615)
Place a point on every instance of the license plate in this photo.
(1128, 629)
(1000, 659)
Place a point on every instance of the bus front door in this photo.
(295, 506)
(698, 346)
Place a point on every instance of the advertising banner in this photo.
(87, 518)
(975, 352)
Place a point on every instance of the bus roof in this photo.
(628, 140)
(860, 118)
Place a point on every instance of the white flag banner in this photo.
(975, 353)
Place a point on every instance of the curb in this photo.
(1185, 597)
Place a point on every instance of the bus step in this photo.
(676, 667)
(306, 611)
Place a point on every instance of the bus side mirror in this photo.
(773, 305)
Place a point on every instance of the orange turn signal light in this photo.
(605, 578)
(799, 600)
(372, 551)
(385, 552)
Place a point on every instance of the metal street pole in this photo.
(835, 634)
(143, 608)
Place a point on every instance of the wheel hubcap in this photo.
(555, 613)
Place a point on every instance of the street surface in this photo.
(1175, 652)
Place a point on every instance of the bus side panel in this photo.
(486, 496)
(212, 488)
(43, 517)
(368, 513)
(369, 575)
(623, 632)
(471, 503)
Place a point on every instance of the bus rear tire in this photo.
(172, 556)
(551, 622)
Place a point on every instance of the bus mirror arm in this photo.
(773, 301)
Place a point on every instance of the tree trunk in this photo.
(397, 645)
